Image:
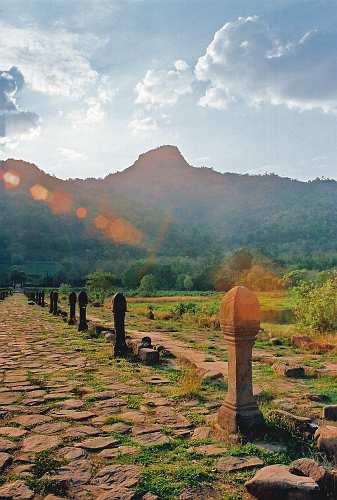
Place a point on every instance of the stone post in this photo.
(240, 321)
(55, 302)
(83, 302)
(51, 302)
(119, 308)
(42, 300)
(72, 308)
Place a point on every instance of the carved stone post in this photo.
(240, 321)
(51, 302)
(72, 308)
(119, 308)
(55, 302)
(83, 302)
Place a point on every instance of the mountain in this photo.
(162, 206)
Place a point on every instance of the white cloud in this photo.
(247, 61)
(71, 154)
(164, 88)
(146, 124)
(54, 62)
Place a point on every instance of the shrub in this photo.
(316, 306)
(190, 381)
(147, 284)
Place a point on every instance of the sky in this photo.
(247, 86)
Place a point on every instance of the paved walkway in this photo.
(64, 396)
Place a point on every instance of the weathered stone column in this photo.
(72, 308)
(240, 321)
(51, 302)
(119, 307)
(83, 302)
(55, 298)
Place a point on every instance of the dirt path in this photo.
(63, 395)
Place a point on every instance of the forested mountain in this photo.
(161, 206)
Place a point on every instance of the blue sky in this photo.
(240, 86)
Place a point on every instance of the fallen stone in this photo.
(201, 492)
(145, 429)
(309, 468)
(213, 375)
(13, 432)
(74, 415)
(277, 483)
(16, 490)
(98, 444)
(300, 425)
(230, 464)
(70, 404)
(31, 420)
(125, 476)
(7, 445)
(111, 453)
(39, 442)
(326, 440)
(202, 432)
(73, 474)
(152, 439)
(148, 356)
(5, 461)
(117, 427)
(330, 412)
(288, 371)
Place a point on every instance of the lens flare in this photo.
(121, 231)
(39, 193)
(101, 222)
(81, 213)
(60, 203)
(11, 180)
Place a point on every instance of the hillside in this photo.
(160, 205)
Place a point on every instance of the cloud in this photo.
(247, 61)
(164, 88)
(15, 123)
(146, 124)
(71, 154)
(55, 61)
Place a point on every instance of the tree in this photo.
(100, 285)
(241, 260)
(188, 282)
(147, 284)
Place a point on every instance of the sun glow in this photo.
(39, 193)
(11, 180)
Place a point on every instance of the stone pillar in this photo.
(240, 321)
(51, 302)
(72, 308)
(83, 302)
(55, 302)
(42, 300)
(119, 308)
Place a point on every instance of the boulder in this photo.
(309, 468)
(278, 483)
(288, 370)
(299, 425)
(330, 412)
(148, 356)
(326, 440)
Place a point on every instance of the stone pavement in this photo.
(68, 411)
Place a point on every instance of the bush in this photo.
(64, 289)
(316, 306)
(147, 284)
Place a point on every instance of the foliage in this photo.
(147, 284)
(316, 306)
(190, 381)
(100, 285)
(65, 289)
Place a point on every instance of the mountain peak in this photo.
(163, 156)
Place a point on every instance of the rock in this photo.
(31, 420)
(146, 429)
(5, 460)
(326, 440)
(201, 492)
(7, 445)
(230, 464)
(70, 453)
(202, 432)
(111, 453)
(98, 444)
(39, 442)
(213, 375)
(288, 370)
(309, 468)
(118, 493)
(16, 490)
(330, 412)
(300, 425)
(301, 342)
(13, 432)
(75, 415)
(152, 439)
(319, 398)
(73, 474)
(276, 341)
(277, 483)
(208, 450)
(148, 356)
(125, 476)
(117, 427)
(70, 404)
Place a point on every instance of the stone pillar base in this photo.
(242, 418)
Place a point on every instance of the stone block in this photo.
(330, 412)
(148, 356)
(288, 370)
